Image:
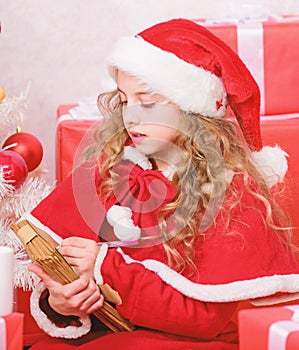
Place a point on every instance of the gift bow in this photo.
(2, 334)
(279, 331)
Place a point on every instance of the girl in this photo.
(184, 194)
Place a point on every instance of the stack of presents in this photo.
(270, 49)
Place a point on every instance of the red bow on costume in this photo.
(143, 192)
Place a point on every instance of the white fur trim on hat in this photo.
(272, 163)
(191, 88)
(69, 332)
(120, 218)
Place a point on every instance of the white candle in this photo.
(6, 280)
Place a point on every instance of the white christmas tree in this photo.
(19, 192)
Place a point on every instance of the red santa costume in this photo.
(171, 310)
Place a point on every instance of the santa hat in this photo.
(190, 66)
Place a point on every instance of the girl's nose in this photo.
(131, 114)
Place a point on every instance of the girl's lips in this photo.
(137, 137)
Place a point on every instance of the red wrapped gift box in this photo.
(11, 331)
(72, 135)
(270, 49)
(269, 328)
(284, 131)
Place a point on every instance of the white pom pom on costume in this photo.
(116, 213)
(120, 218)
(272, 163)
(126, 231)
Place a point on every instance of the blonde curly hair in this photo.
(214, 147)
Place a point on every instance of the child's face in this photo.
(151, 121)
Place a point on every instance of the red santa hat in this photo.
(193, 68)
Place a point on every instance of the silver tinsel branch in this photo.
(14, 203)
(12, 112)
(13, 207)
(5, 187)
(25, 198)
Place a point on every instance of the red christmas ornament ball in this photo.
(14, 168)
(26, 145)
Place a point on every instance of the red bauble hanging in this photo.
(14, 168)
(26, 145)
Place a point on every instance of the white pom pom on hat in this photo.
(193, 68)
(272, 163)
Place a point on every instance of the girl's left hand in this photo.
(81, 254)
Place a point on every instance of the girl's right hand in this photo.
(77, 298)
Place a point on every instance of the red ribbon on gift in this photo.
(250, 45)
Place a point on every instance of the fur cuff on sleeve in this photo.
(68, 332)
(98, 264)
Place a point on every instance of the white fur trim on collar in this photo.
(132, 154)
(69, 332)
(191, 88)
(169, 172)
(228, 292)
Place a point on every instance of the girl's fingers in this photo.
(75, 241)
(49, 282)
(76, 287)
(80, 253)
(76, 251)
(35, 269)
(74, 262)
(82, 294)
(94, 301)
(77, 254)
(70, 251)
(87, 300)
(95, 305)
(78, 242)
(89, 289)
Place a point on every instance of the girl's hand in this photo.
(77, 298)
(81, 254)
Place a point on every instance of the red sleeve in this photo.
(149, 302)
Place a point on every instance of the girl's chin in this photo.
(142, 149)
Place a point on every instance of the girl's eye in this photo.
(148, 105)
